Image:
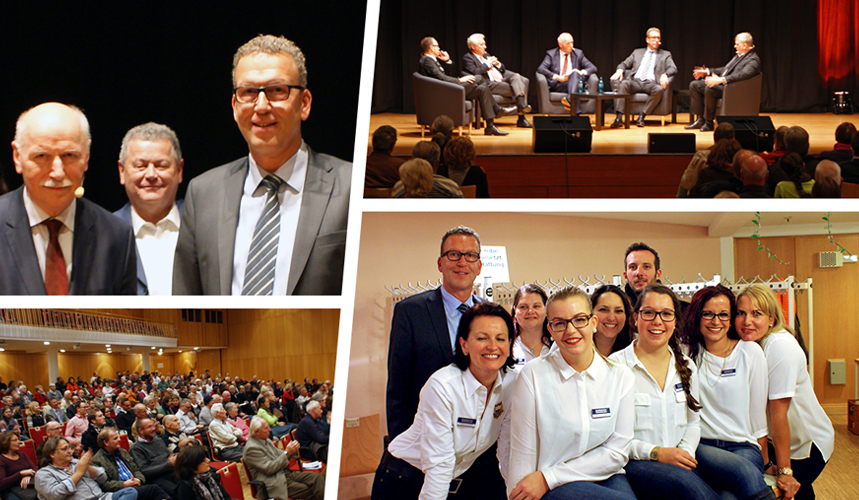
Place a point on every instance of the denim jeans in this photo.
(124, 494)
(734, 467)
(614, 488)
(656, 481)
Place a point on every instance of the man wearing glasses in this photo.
(647, 71)
(274, 222)
(424, 326)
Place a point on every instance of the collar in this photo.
(597, 370)
(452, 302)
(36, 215)
(292, 172)
(472, 386)
(171, 219)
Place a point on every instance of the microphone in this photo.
(79, 191)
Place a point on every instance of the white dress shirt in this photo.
(570, 426)
(42, 237)
(293, 173)
(734, 394)
(455, 425)
(662, 417)
(156, 244)
(788, 378)
(186, 424)
(522, 354)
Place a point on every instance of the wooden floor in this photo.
(820, 127)
(838, 479)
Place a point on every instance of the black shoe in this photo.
(618, 122)
(523, 122)
(640, 121)
(491, 129)
(506, 111)
(708, 127)
(698, 124)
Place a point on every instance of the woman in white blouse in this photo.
(572, 421)
(614, 319)
(531, 337)
(662, 456)
(462, 410)
(802, 434)
(733, 387)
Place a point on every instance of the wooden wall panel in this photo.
(209, 359)
(74, 364)
(749, 262)
(31, 368)
(166, 360)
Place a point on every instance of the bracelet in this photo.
(768, 465)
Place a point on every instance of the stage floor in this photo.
(632, 141)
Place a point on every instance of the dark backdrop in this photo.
(696, 32)
(126, 63)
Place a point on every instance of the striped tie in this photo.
(645, 72)
(262, 256)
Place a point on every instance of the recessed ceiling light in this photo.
(46, 343)
(62, 350)
(180, 350)
(153, 348)
(2, 350)
(107, 345)
(196, 348)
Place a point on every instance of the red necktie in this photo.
(564, 69)
(56, 280)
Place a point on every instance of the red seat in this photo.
(29, 448)
(38, 434)
(123, 442)
(300, 460)
(232, 481)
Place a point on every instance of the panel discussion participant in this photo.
(150, 167)
(565, 66)
(475, 86)
(499, 79)
(704, 93)
(51, 243)
(649, 70)
(274, 222)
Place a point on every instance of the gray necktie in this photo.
(645, 72)
(262, 256)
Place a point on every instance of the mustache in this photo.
(51, 183)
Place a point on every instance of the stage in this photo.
(618, 165)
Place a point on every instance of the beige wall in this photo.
(31, 368)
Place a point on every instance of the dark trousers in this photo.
(478, 90)
(702, 99)
(633, 86)
(805, 471)
(151, 492)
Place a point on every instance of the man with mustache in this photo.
(50, 242)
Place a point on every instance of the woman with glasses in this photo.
(733, 384)
(667, 428)
(462, 411)
(531, 337)
(614, 319)
(802, 435)
(572, 419)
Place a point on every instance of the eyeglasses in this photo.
(650, 315)
(560, 325)
(709, 315)
(274, 93)
(454, 256)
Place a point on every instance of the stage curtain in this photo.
(837, 43)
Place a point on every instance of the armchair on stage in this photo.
(741, 98)
(663, 109)
(550, 102)
(435, 97)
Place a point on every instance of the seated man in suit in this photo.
(499, 79)
(703, 94)
(649, 71)
(565, 66)
(475, 86)
(55, 244)
(309, 435)
(55, 414)
(150, 168)
(383, 170)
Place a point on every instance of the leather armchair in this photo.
(741, 98)
(550, 102)
(662, 109)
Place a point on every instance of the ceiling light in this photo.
(2, 350)
(196, 348)
(153, 348)
(46, 343)
(107, 345)
(62, 350)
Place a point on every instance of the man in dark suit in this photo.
(499, 79)
(647, 71)
(55, 414)
(424, 326)
(50, 242)
(703, 94)
(274, 222)
(475, 86)
(150, 168)
(383, 170)
(566, 66)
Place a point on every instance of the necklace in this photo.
(718, 374)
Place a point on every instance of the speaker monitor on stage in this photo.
(752, 132)
(671, 143)
(561, 134)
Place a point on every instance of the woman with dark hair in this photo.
(718, 174)
(8, 422)
(802, 435)
(667, 427)
(531, 337)
(458, 157)
(198, 480)
(71, 385)
(842, 151)
(799, 183)
(614, 319)
(572, 420)
(733, 385)
(462, 410)
(16, 470)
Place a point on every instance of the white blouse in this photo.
(455, 425)
(734, 394)
(662, 417)
(788, 378)
(522, 354)
(571, 426)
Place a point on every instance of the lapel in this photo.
(20, 241)
(731, 64)
(228, 221)
(438, 319)
(124, 213)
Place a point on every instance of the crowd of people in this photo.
(626, 393)
(169, 419)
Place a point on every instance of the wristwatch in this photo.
(654, 453)
(785, 471)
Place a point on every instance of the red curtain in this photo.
(838, 40)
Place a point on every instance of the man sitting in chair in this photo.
(565, 66)
(649, 71)
(499, 79)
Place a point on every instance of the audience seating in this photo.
(435, 97)
(232, 481)
(123, 441)
(849, 190)
(28, 448)
(741, 98)
(377, 192)
(550, 102)
(258, 489)
(469, 191)
(38, 434)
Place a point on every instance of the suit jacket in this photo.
(419, 346)
(383, 170)
(433, 68)
(748, 66)
(204, 253)
(551, 64)
(474, 65)
(268, 464)
(103, 251)
(124, 213)
(107, 462)
(51, 416)
(664, 64)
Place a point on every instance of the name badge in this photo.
(520, 361)
(600, 412)
(466, 422)
(678, 387)
(729, 372)
(499, 409)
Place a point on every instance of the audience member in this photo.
(16, 469)
(120, 469)
(236, 421)
(124, 415)
(442, 187)
(56, 478)
(498, 78)
(224, 436)
(778, 147)
(699, 161)
(842, 151)
(795, 141)
(827, 180)
(718, 174)
(416, 175)
(308, 434)
(97, 422)
(78, 424)
(187, 420)
(458, 157)
(798, 183)
(52, 429)
(753, 173)
(205, 417)
(155, 462)
(382, 168)
(173, 436)
(850, 169)
(198, 480)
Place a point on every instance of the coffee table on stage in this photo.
(601, 98)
